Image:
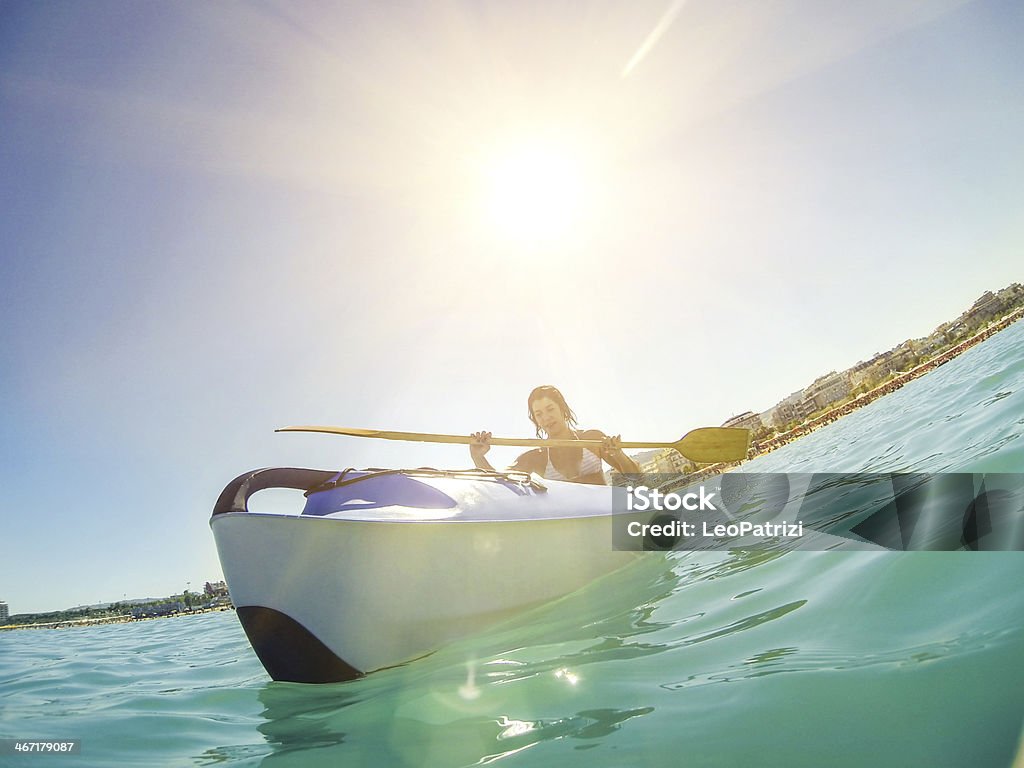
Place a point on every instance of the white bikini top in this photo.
(589, 465)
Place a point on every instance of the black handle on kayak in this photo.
(235, 495)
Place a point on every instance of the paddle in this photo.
(706, 445)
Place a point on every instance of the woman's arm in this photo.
(531, 461)
(478, 450)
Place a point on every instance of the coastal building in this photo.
(783, 414)
(796, 407)
(785, 410)
(4, 613)
(1011, 296)
(986, 308)
(933, 343)
(905, 356)
(665, 461)
(748, 420)
(827, 390)
(865, 370)
(215, 589)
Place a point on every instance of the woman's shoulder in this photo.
(590, 434)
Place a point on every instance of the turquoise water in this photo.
(700, 659)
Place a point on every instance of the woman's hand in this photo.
(611, 451)
(480, 446)
(610, 446)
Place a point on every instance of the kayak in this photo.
(382, 566)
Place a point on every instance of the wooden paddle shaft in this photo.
(703, 445)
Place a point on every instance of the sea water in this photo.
(686, 659)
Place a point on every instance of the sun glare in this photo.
(536, 192)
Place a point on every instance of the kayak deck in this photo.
(430, 495)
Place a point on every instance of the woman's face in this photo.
(549, 416)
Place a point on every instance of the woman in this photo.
(554, 419)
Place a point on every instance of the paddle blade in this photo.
(710, 445)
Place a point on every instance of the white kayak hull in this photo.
(390, 568)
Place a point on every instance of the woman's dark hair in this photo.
(552, 392)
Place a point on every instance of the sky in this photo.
(217, 219)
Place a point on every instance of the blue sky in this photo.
(218, 219)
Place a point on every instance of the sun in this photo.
(536, 191)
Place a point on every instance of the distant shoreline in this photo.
(764, 447)
(120, 619)
(888, 387)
